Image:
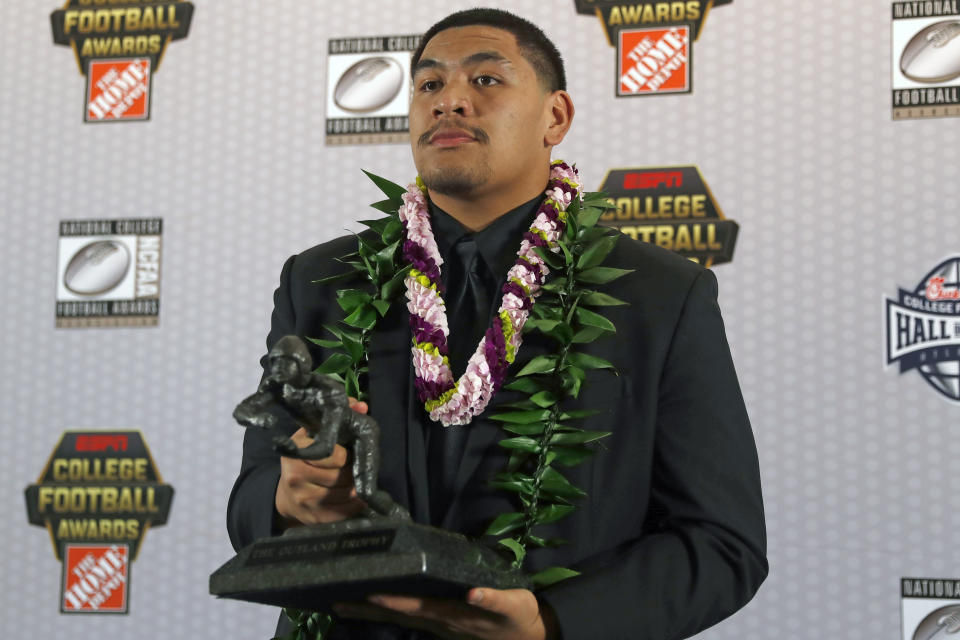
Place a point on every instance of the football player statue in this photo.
(320, 405)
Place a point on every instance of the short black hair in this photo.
(542, 54)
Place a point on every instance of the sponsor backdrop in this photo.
(161, 159)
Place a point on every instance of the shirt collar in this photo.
(498, 242)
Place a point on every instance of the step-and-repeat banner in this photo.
(161, 159)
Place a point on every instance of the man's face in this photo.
(478, 113)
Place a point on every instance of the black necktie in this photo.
(467, 301)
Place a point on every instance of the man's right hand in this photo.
(315, 491)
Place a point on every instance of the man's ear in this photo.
(559, 116)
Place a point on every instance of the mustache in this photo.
(479, 134)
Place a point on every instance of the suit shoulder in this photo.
(652, 264)
(320, 261)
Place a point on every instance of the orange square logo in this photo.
(118, 89)
(653, 61)
(95, 578)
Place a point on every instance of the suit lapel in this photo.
(389, 362)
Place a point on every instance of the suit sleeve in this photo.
(250, 510)
(702, 554)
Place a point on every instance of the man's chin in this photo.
(455, 182)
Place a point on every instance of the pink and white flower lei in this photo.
(456, 402)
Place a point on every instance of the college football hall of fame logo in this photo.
(671, 207)
(118, 45)
(653, 41)
(923, 328)
(97, 495)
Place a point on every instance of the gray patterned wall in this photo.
(790, 125)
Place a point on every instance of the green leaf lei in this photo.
(542, 432)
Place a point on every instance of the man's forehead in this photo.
(457, 43)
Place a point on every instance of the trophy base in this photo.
(314, 566)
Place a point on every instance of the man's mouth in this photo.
(450, 138)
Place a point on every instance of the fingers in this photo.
(316, 491)
(358, 405)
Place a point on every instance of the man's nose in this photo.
(453, 99)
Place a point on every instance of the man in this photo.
(671, 536)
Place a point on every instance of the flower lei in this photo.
(401, 253)
(455, 403)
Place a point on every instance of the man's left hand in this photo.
(485, 614)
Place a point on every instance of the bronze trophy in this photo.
(382, 550)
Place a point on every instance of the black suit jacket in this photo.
(671, 536)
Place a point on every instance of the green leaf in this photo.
(350, 299)
(551, 576)
(562, 333)
(593, 319)
(573, 377)
(521, 443)
(578, 413)
(587, 361)
(555, 285)
(554, 483)
(596, 252)
(577, 437)
(392, 231)
(598, 299)
(336, 363)
(543, 399)
(553, 512)
(327, 344)
(543, 325)
(598, 199)
(571, 456)
(384, 258)
(518, 551)
(393, 286)
(517, 486)
(567, 256)
(601, 275)
(382, 306)
(352, 385)
(540, 364)
(390, 189)
(363, 317)
(588, 217)
(525, 385)
(504, 523)
(377, 224)
(587, 334)
(531, 429)
(333, 278)
(522, 417)
(387, 206)
(553, 260)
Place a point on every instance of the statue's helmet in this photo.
(293, 348)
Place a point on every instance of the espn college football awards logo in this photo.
(654, 41)
(118, 47)
(368, 89)
(925, 62)
(97, 495)
(108, 273)
(923, 328)
(930, 608)
(671, 207)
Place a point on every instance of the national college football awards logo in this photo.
(923, 328)
(118, 46)
(654, 41)
(368, 89)
(671, 207)
(97, 495)
(925, 63)
(108, 273)
(930, 608)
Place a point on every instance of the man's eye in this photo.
(486, 81)
(429, 85)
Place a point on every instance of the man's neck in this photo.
(477, 212)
